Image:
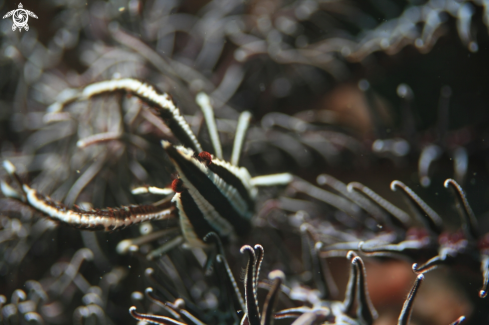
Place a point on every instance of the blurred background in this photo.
(367, 91)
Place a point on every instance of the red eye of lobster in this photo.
(205, 158)
(177, 185)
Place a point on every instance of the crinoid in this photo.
(325, 311)
(466, 247)
(356, 309)
(54, 298)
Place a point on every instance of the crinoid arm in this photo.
(485, 274)
(309, 189)
(251, 300)
(407, 308)
(272, 180)
(128, 245)
(357, 300)
(107, 219)
(458, 321)
(396, 215)
(181, 316)
(469, 221)
(268, 316)
(426, 215)
(365, 308)
(429, 154)
(374, 248)
(221, 259)
(153, 319)
(252, 316)
(205, 104)
(351, 288)
(317, 266)
(239, 138)
(431, 264)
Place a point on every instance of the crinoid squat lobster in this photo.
(210, 194)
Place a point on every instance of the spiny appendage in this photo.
(426, 215)
(252, 311)
(351, 287)
(430, 265)
(153, 319)
(176, 309)
(221, 258)
(401, 216)
(180, 316)
(107, 219)
(485, 275)
(365, 309)
(252, 315)
(469, 221)
(407, 308)
(357, 300)
(268, 315)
